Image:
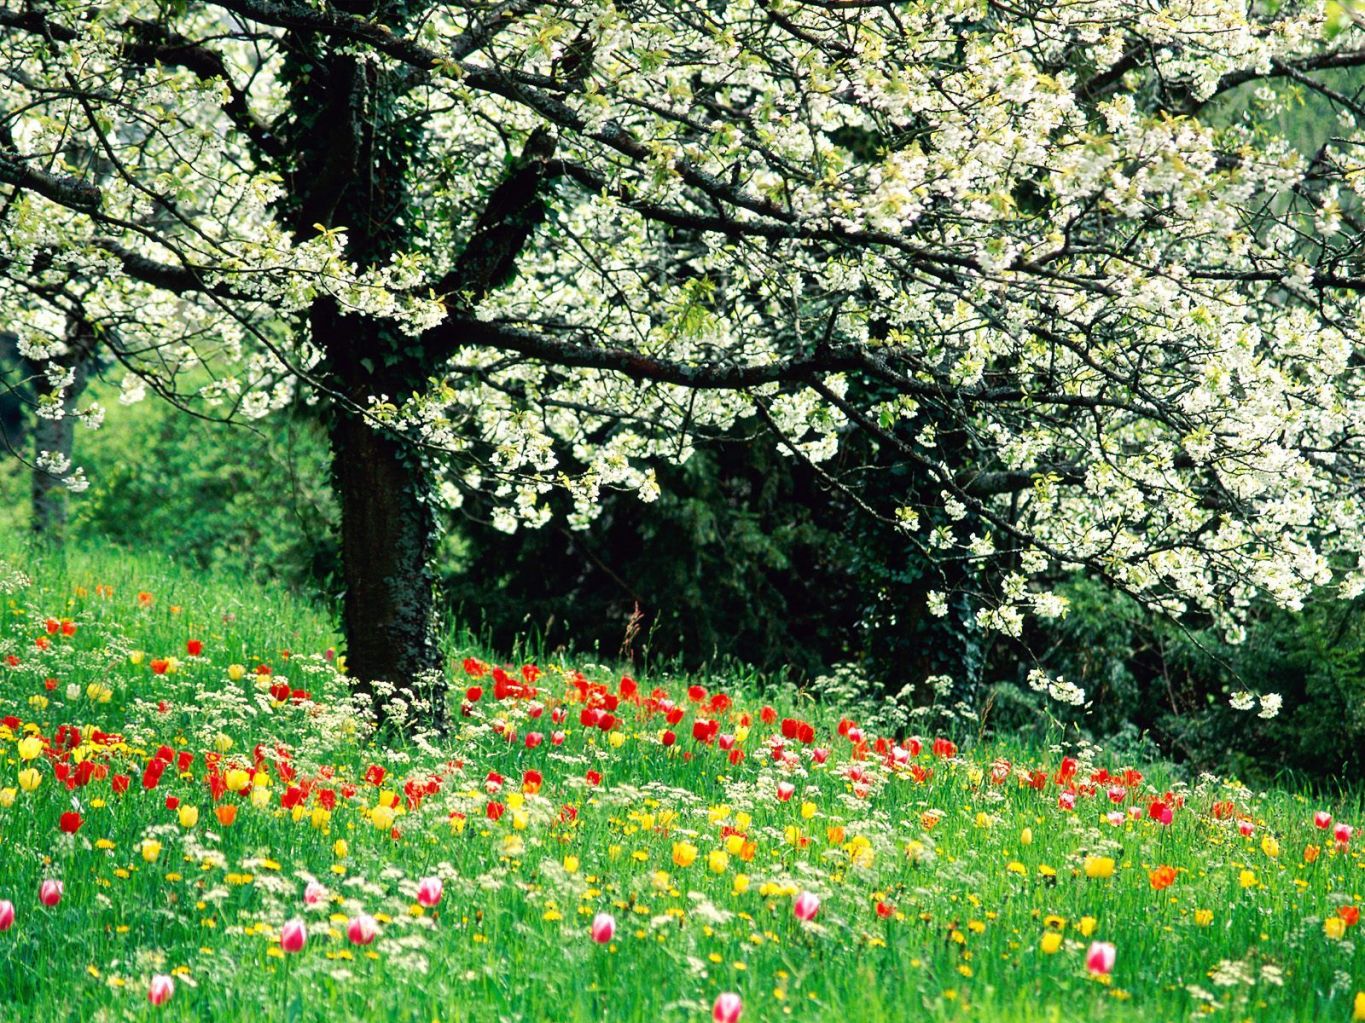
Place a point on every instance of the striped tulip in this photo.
(806, 906)
(161, 990)
(1100, 959)
(727, 1008)
(50, 893)
(293, 936)
(603, 928)
(361, 930)
(429, 891)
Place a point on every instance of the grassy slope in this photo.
(969, 901)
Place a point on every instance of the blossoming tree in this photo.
(513, 246)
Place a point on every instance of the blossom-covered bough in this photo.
(1033, 252)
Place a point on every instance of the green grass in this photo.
(969, 900)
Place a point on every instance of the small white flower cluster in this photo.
(1270, 703)
(1056, 688)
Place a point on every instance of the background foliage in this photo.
(744, 559)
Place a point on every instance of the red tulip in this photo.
(1322, 819)
(6, 914)
(785, 790)
(70, 822)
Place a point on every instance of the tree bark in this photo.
(388, 534)
(48, 494)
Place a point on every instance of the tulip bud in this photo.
(727, 1008)
(362, 929)
(161, 990)
(806, 906)
(50, 893)
(1100, 959)
(429, 891)
(293, 935)
(603, 928)
(6, 914)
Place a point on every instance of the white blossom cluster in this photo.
(1037, 248)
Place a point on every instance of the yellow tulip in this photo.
(717, 861)
(151, 849)
(1052, 941)
(1203, 917)
(1099, 866)
(29, 779)
(684, 854)
(30, 747)
(1086, 925)
(189, 816)
(382, 817)
(1334, 927)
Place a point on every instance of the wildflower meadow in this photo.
(194, 826)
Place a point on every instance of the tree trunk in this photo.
(388, 533)
(56, 438)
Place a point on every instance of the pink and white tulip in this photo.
(1322, 819)
(429, 891)
(1100, 959)
(6, 914)
(314, 893)
(727, 1008)
(603, 928)
(161, 989)
(293, 936)
(361, 930)
(806, 906)
(50, 893)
